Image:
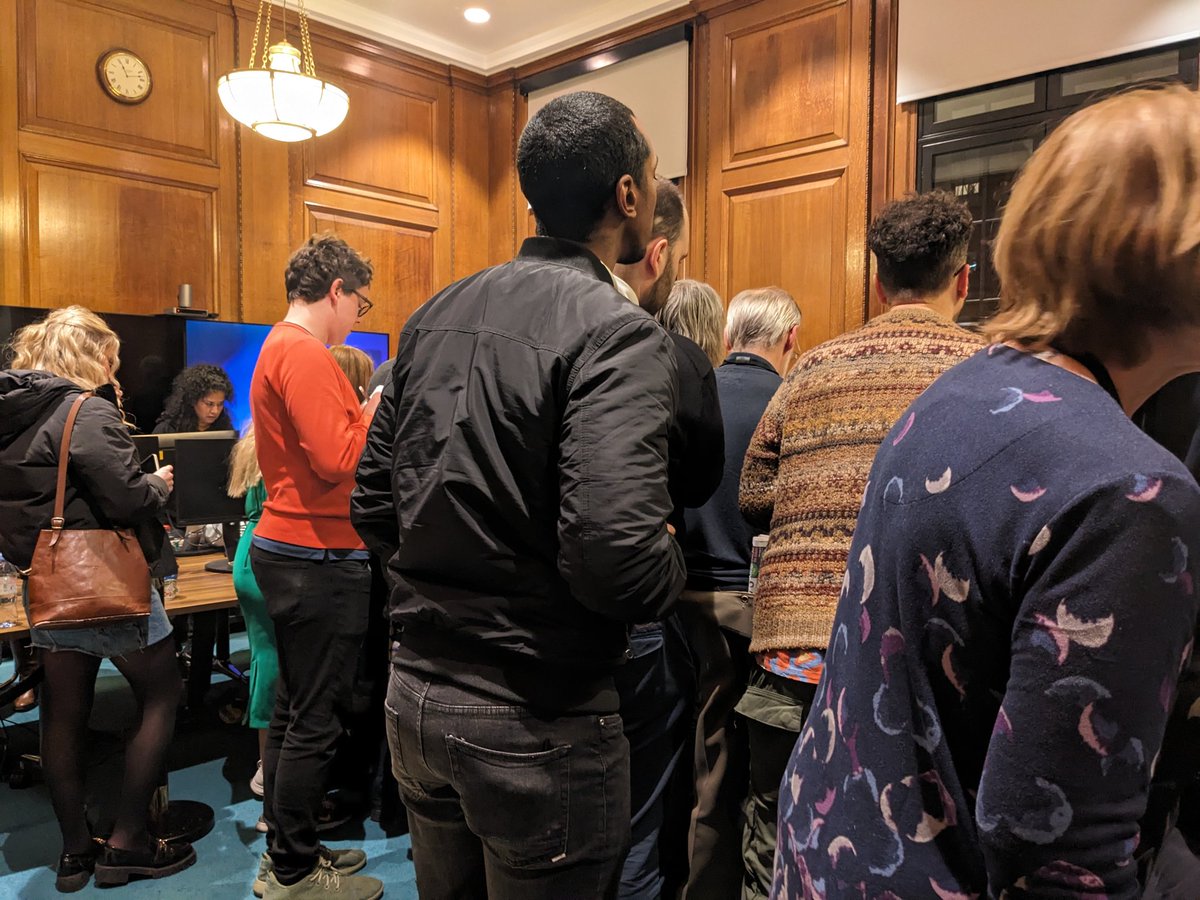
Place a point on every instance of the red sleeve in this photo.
(321, 406)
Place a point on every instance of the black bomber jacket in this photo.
(515, 479)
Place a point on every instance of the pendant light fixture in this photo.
(281, 97)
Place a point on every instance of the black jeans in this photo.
(320, 613)
(504, 804)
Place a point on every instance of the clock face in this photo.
(124, 76)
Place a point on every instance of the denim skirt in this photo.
(106, 641)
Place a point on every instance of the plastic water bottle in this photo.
(10, 590)
(758, 546)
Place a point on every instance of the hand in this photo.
(372, 403)
(167, 474)
(670, 529)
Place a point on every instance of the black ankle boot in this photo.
(74, 869)
(158, 859)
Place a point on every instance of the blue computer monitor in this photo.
(234, 346)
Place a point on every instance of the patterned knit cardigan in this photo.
(808, 462)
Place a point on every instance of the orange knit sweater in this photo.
(310, 432)
(808, 462)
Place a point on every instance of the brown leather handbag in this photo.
(86, 577)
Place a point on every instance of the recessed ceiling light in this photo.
(476, 15)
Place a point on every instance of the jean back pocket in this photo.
(518, 804)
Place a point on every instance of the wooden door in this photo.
(786, 136)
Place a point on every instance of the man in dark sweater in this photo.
(761, 330)
(515, 480)
(657, 682)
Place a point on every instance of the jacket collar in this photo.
(743, 358)
(566, 253)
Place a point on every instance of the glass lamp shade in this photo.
(280, 102)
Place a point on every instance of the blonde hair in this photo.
(1100, 242)
(357, 366)
(73, 343)
(694, 309)
(244, 472)
(760, 317)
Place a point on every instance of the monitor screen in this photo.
(201, 463)
(234, 346)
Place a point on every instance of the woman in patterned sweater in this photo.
(1021, 594)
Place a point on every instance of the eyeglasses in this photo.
(365, 306)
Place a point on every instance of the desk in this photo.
(199, 591)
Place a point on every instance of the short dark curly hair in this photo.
(193, 383)
(571, 156)
(323, 259)
(919, 243)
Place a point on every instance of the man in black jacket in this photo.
(515, 478)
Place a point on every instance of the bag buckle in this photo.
(57, 523)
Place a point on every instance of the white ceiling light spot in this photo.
(476, 15)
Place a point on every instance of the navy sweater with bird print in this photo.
(1018, 606)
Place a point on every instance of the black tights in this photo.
(67, 696)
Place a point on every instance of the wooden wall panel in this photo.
(471, 173)
(814, 207)
(787, 85)
(110, 204)
(115, 243)
(503, 193)
(387, 147)
(786, 133)
(12, 235)
(402, 257)
(904, 151)
(61, 42)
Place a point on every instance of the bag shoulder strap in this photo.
(64, 452)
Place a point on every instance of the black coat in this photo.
(515, 474)
(105, 486)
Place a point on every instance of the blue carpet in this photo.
(211, 763)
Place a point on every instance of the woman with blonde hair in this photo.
(1022, 593)
(695, 310)
(69, 352)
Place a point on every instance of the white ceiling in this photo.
(520, 31)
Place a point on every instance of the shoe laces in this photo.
(329, 878)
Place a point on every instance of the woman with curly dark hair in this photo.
(197, 401)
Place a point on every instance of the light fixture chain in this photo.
(306, 43)
(257, 29)
(266, 53)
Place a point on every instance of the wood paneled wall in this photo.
(104, 204)
(113, 206)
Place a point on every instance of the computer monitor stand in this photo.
(230, 534)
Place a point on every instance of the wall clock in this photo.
(124, 76)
